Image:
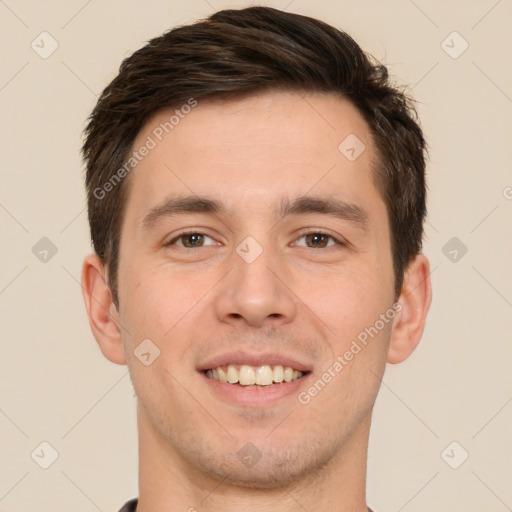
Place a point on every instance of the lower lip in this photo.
(240, 395)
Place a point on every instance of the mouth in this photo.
(249, 376)
(254, 380)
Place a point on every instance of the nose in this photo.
(256, 293)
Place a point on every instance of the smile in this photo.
(246, 375)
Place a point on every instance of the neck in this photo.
(167, 483)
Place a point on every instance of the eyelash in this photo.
(186, 233)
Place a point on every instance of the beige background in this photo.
(58, 388)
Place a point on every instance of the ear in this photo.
(415, 300)
(101, 310)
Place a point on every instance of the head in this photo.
(245, 129)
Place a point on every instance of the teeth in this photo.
(278, 373)
(232, 374)
(223, 376)
(247, 375)
(264, 376)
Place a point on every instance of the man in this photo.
(256, 197)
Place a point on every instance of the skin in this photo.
(308, 302)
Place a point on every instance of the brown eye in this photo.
(190, 240)
(318, 240)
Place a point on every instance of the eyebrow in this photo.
(301, 205)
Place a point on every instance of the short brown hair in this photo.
(239, 52)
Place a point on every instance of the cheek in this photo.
(153, 298)
(155, 309)
(348, 301)
(351, 305)
(162, 307)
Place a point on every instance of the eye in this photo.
(319, 240)
(190, 240)
(313, 240)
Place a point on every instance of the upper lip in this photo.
(267, 358)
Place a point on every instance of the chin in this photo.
(259, 465)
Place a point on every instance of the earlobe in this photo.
(103, 315)
(415, 302)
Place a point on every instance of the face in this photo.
(284, 262)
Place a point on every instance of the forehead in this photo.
(243, 148)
